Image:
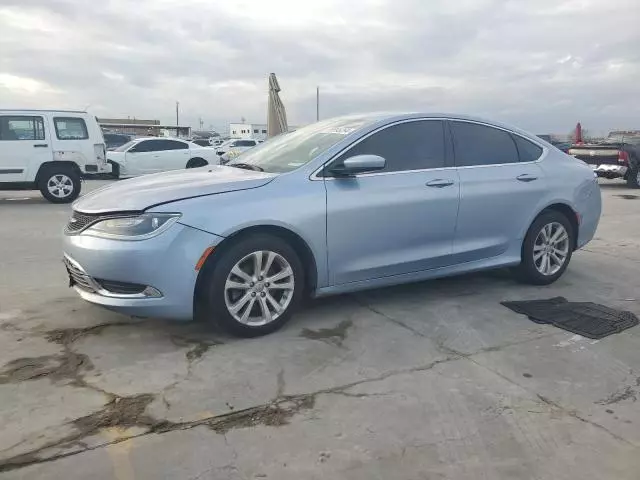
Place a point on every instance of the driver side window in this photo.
(145, 146)
(414, 145)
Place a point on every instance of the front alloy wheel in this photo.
(251, 286)
(259, 288)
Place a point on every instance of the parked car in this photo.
(203, 142)
(351, 203)
(49, 151)
(240, 145)
(618, 156)
(115, 140)
(152, 155)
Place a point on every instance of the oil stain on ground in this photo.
(335, 335)
(626, 196)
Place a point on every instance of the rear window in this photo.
(70, 128)
(528, 151)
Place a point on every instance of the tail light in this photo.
(100, 152)
(623, 157)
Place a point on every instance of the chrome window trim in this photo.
(315, 176)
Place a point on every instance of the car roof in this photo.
(379, 119)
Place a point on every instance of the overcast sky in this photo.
(541, 64)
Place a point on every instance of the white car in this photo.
(237, 144)
(154, 154)
(50, 151)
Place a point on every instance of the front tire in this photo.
(255, 286)
(547, 249)
(115, 170)
(633, 177)
(60, 184)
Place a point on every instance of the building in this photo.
(256, 131)
(152, 128)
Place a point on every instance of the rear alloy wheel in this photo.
(255, 286)
(547, 249)
(60, 185)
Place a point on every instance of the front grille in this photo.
(79, 221)
(78, 277)
(124, 288)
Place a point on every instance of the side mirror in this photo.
(358, 164)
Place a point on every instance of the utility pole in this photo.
(317, 104)
(177, 113)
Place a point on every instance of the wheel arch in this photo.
(300, 246)
(56, 163)
(566, 210)
(197, 159)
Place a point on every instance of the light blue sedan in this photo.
(351, 203)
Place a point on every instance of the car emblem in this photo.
(73, 220)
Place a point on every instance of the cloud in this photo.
(542, 65)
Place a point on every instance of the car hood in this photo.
(147, 191)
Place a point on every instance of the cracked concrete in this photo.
(433, 380)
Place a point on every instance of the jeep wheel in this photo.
(59, 184)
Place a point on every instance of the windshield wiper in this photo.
(247, 166)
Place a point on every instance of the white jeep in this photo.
(50, 151)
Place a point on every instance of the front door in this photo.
(399, 220)
(24, 146)
(500, 187)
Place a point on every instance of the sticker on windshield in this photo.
(341, 130)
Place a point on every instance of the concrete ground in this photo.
(435, 380)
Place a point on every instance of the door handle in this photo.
(525, 177)
(40, 145)
(439, 183)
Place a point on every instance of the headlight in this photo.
(138, 227)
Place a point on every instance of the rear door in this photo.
(500, 186)
(399, 220)
(24, 146)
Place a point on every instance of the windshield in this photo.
(126, 146)
(291, 150)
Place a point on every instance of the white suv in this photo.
(49, 151)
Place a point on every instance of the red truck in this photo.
(618, 156)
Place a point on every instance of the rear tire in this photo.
(276, 285)
(550, 239)
(59, 184)
(196, 162)
(633, 177)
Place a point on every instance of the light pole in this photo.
(177, 113)
(317, 104)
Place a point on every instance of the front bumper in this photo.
(108, 272)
